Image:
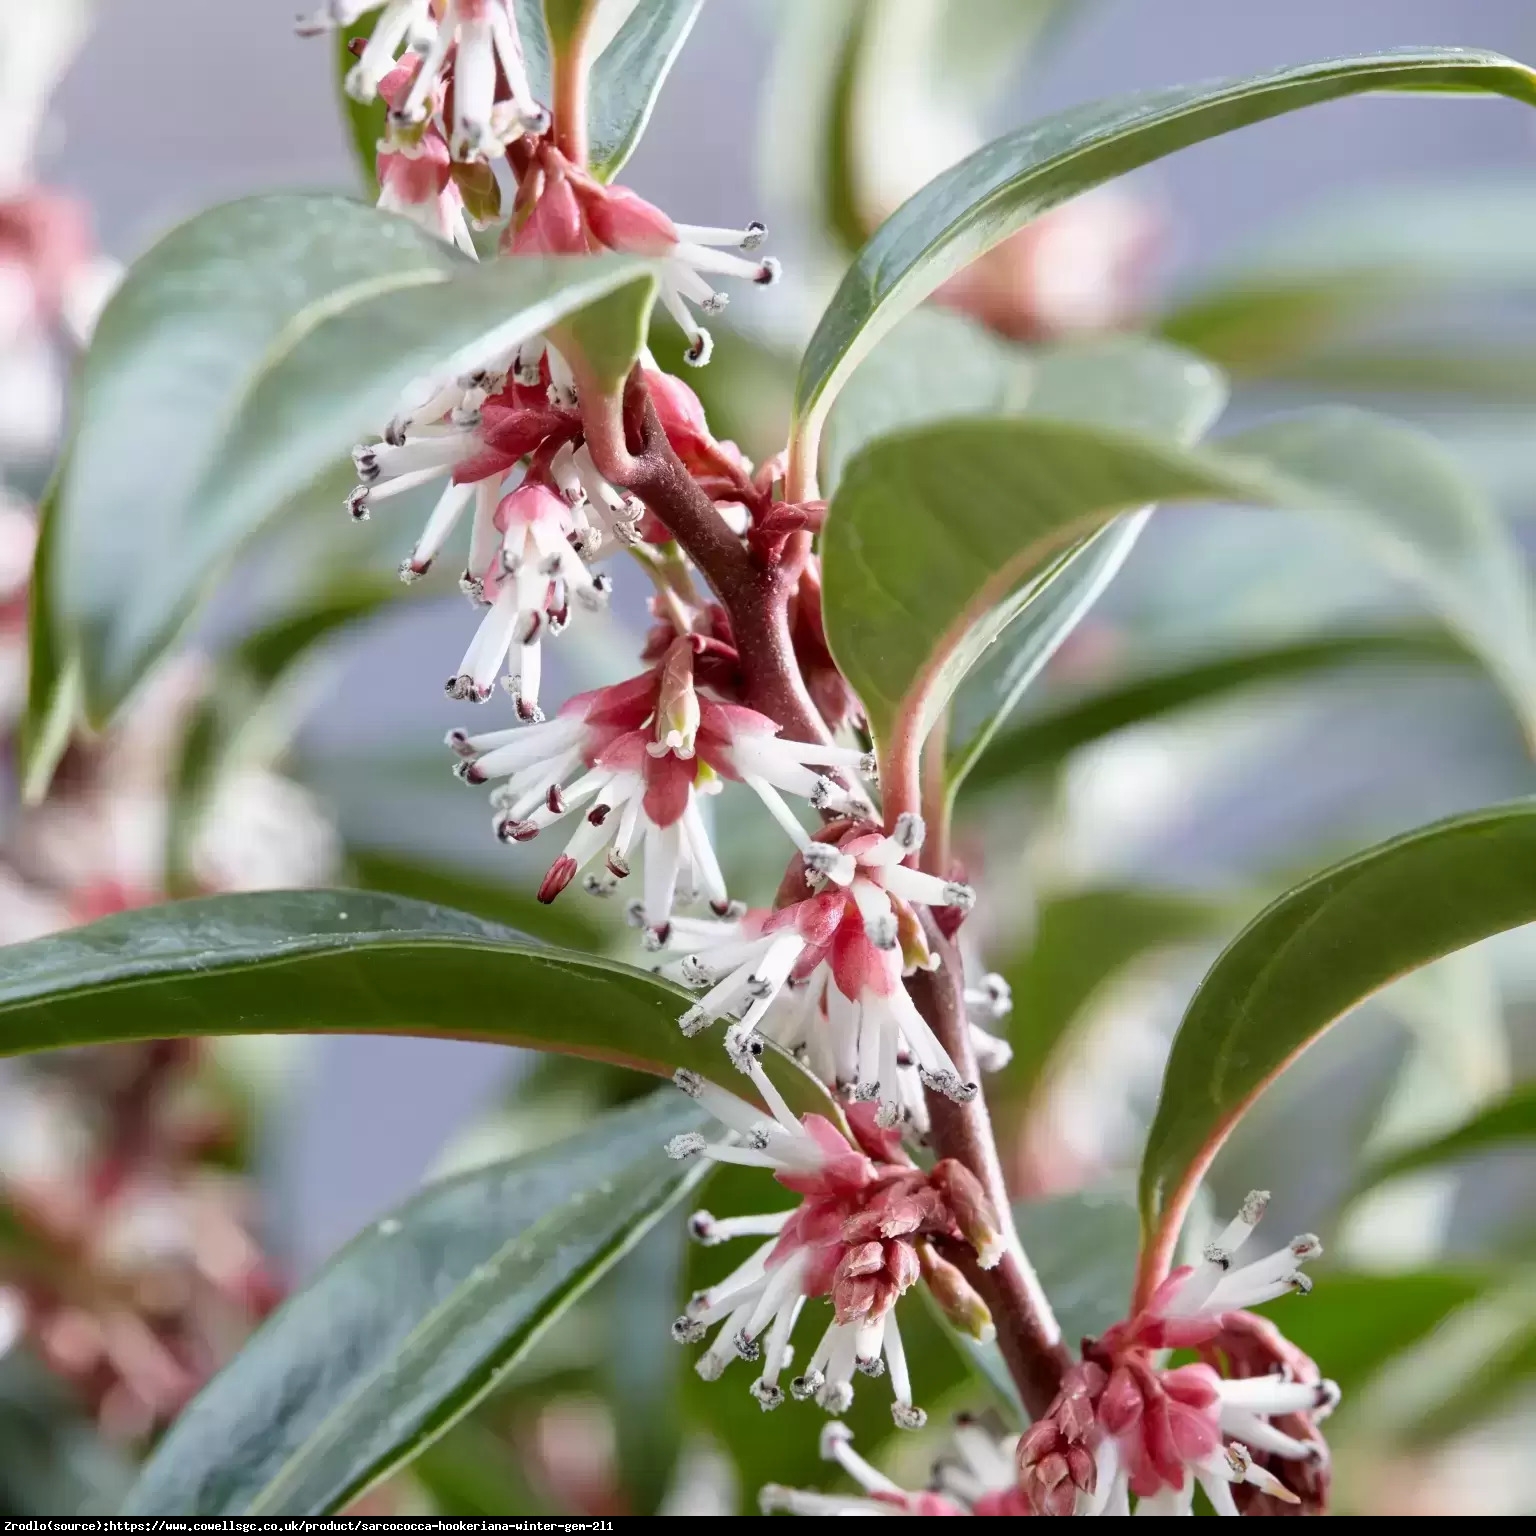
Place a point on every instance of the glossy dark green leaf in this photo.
(1508, 1122)
(1042, 740)
(1312, 956)
(937, 538)
(560, 922)
(980, 202)
(414, 1321)
(628, 75)
(358, 962)
(241, 356)
(1083, 942)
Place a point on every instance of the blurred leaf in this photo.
(1487, 1392)
(449, 886)
(53, 669)
(1083, 1248)
(414, 1321)
(240, 356)
(1042, 740)
(1509, 1122)
(643, 1367)
(1360, 1321)
(365, 120)
(1504, 376)
(53, 1460)
(937, 538)
(1083, 942)
(325, 961)
(1309, 958)
(1328, 271)
(935, 366)
(628, 75)
(472, 1473)
(980, 202)
(782, 1446)
(809, 161)
(249, 713)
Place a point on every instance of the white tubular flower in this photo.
(1126, 1423)
(975, 1476)
(823, 976)
(624, 222)
(528, 580)
(661, 746)
(480, 36)
(856, 1237)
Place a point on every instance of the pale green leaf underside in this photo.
(242, 356)
(414, 1321)
(980, 202)
(933, 529)
(1310, 957)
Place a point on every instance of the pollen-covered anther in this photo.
(959, 895)
(768, 272)
(685, 1144)
(746, 1347)
(804, 1388)
(690, 1082)
(768, 1395)
(908, 1416)
(753, 235)
(688, 1330)
(701, 1228)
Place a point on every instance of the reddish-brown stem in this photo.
(1027, 1331)
(755, 595)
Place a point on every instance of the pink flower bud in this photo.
(972, 1209)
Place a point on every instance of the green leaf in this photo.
(251, 711)
(627, 78)
(980, 202)
(365, 120)
(809, 157)
(936, 366)
(1044, 739)
(937, 538)
(1083, 1247)
(53, 670)
(1327, 272)
(1497, 375)
(1083, 942)
(1509, 1122)
(1313, 955)
(445, 885)
(1362, 1320)
(414, 1321)
(563, 17)
(241, 356)
(299, 962)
